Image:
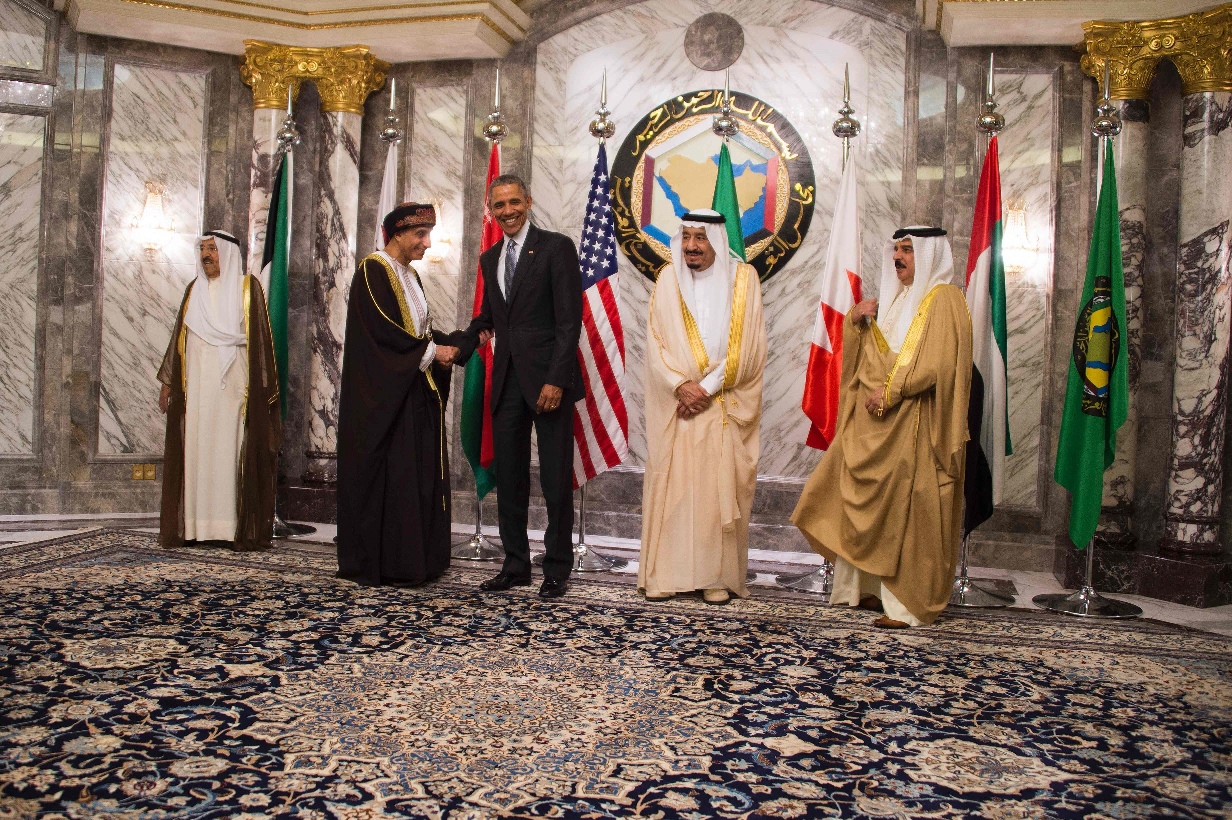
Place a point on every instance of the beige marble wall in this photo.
(156, 134)
(22, 37)
(21, 200)
(1028, 101)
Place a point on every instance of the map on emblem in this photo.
(668, 166)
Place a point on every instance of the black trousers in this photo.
(511, 423)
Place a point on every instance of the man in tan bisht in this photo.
(885, 503)
(706, 351)
(220, 394)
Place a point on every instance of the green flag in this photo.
(726, 203)
(274, 271)
(1097, 392)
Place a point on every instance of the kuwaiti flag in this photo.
(987, 415)
(389, 196)
(600, 421)
(275, 277)
(840, 289)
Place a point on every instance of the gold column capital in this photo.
(344, 76)
(1199, 45)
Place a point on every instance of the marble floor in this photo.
(766, 564)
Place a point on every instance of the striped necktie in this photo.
(511, 262)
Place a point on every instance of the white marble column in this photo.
(1133, 187)
(1203, 327)
(335, 217)
(265, 125)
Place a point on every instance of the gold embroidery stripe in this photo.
(396, 285)
(393, 279)
(879, 338)
(182, 343)
(911, 342)
(695, 337)
(270, 328)
(735, 332)
(247, 341)
(272, 21)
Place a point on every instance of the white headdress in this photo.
(220, 325)
(934, 265)
(725, 261)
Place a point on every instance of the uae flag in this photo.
(600, 421)
(727, 203)
(987, 414)
(476, 423)
(1097, 390)
(274, 270)
(840, 290)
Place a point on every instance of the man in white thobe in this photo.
(220, 394)
(706, 354)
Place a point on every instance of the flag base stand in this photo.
(968, 593)
(283, 529)
(585, 559)
(1086, 602)
(819, 581)
(478, 547)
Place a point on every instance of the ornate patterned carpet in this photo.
(141, 683)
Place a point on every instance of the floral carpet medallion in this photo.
(142, 683)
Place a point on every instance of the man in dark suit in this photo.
(532, 299)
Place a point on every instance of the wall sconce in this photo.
(153, 227)
(442, 240)
(1019, 250)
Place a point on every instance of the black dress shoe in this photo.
(553, 588)
(502, 582)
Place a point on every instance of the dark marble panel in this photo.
(302, 276)
(305, 502)
(1191, 581)
(1154, 390)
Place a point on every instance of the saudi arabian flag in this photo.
(988, 416)
(726, 203)
(1097, 393)
(274, 270)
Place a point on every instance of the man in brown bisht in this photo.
(886, 500)
(706, 352)
(393, 470)
(220, 394)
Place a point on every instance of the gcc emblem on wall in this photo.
(669, 163)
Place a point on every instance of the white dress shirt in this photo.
(417, 301)
(712, 320)
(520, 238)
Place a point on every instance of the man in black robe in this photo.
(393, 470)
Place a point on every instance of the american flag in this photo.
(600, 422)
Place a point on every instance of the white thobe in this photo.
(213, 435)
(712, 314)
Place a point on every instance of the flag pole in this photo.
(1086, 602)
(287, 138)
(480, 547)
(846, 128)
(585, 559)
(966, 592)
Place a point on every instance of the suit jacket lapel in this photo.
(525, 259)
